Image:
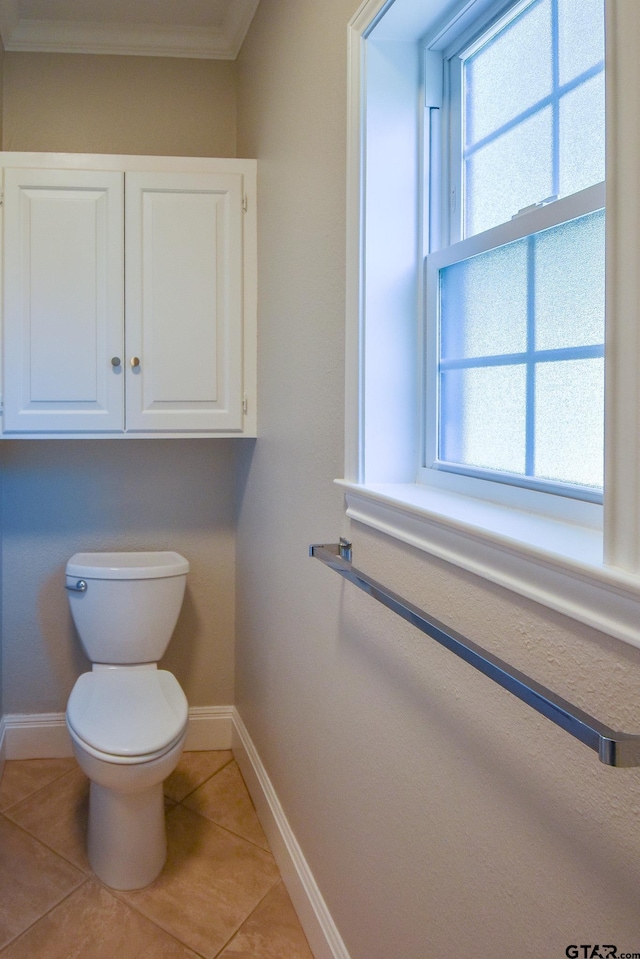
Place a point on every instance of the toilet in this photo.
(127, 719)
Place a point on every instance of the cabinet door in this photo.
(183, 302)
(63, 301)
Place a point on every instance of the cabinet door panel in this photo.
(184, 302)
(63, 301)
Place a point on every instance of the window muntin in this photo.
(533, 118)
(521, 362)
(518, 346)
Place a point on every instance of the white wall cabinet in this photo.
(129, 296)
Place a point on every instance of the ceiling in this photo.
(208, 29)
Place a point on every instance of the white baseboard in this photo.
(210, 727)
(318, 925)
(37, 736)
(45, 736)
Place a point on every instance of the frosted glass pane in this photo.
(483, 417)
(582, 141)
(580, 36)
(483, 304)
(511, 172)
(569, 284)
(510, 73)
(569, 412)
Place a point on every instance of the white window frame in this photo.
(527, 224)
(446, 243)
(583, 561)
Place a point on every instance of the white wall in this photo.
(440, 816)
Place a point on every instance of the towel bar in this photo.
(613, 748)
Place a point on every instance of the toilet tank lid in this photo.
(140, 565)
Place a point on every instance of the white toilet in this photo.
(127, 718)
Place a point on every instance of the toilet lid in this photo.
(127, 712)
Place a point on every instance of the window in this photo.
(501, 395)
(515, 300)
(521, 360)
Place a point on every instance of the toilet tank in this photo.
(130, 606)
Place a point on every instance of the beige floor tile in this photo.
(273, 931)
(93, 924)
(32, 880)
(211, 883)
(60, 821)
(193, 769)
(21, 778)
(224, 799)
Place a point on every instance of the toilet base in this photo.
(127, 842)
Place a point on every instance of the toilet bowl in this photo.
(127, 719)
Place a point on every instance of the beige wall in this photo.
(62, 496)
(107, 104)
(2, 56)
(440, 816)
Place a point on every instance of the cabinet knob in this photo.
(115, 361)
(134, 362)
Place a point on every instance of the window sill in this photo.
(551, 562)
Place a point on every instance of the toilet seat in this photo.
(126, 715)
(125, 760)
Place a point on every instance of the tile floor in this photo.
(219, 895)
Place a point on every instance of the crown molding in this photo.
(222, 42)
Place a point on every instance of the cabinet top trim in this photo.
(124, 162)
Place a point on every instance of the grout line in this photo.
(237, 835)
(132, 908)
(156, 925)
(68, 895)
(38, 789)
(214, 821)
(248, 917)
(196, 788)
(55, 852)
(180, 802)
(118, 895)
